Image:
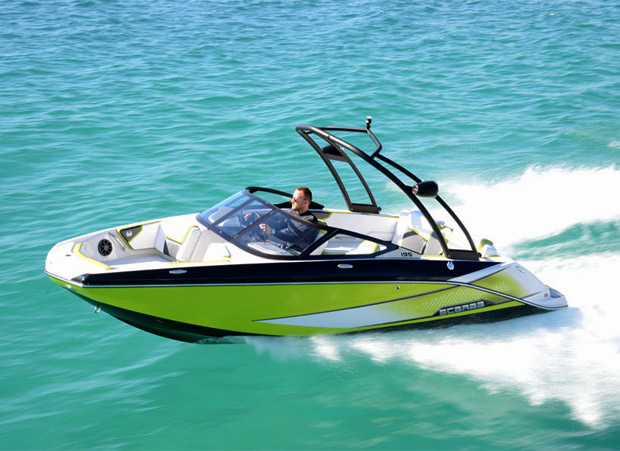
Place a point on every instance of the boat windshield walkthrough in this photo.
(226, 272)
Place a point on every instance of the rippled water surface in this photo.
(114, 112)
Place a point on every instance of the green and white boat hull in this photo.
(193, 311)
(252, 266)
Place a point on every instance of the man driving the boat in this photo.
(297, 234)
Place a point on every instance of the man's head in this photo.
(301, 199)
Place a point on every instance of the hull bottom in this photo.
(166, 328)
(191, 333)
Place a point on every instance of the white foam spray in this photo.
(571, 356)
(539, 203)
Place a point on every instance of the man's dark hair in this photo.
(306, 192)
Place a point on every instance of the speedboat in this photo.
(222, 273)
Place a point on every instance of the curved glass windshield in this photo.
(250, 222)
(213, 214)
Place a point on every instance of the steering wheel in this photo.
(256, 233)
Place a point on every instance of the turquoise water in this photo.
(114, 112)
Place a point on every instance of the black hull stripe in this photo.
(325, 271)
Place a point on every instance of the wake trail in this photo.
(540, 202)
(572, 355)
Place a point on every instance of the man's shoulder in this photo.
(309, 216)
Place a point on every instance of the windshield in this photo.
(250, 222)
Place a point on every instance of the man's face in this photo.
(299, 202)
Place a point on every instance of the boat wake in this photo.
(571, 356)
(539, 203)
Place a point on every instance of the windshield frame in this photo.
(329, 232)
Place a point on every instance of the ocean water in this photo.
(113, 112)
